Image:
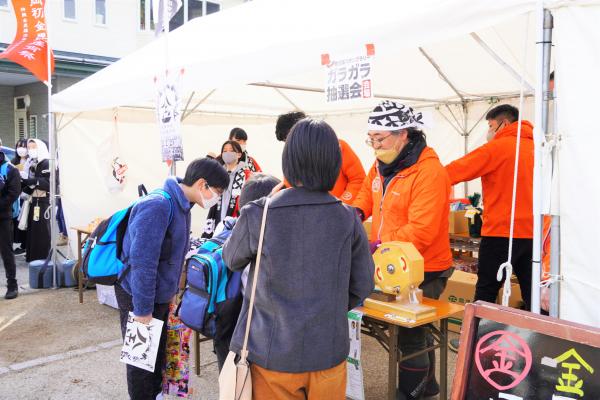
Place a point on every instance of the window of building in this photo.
(101, 12)
(191, 9)
(33, 126)
(146, 19)
(69, 9)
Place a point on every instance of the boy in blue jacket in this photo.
(155, 244)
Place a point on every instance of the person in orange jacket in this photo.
(352, 173)
(494, 162)
(406, 192)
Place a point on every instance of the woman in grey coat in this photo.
(316, 265)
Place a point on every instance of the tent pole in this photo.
(544, 44)
(466, 133)
(187, 114)
(499, 60)
(555, 229)
(442, 75)
(52, 161)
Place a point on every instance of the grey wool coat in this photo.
(316, 265)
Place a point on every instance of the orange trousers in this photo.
(327, 384)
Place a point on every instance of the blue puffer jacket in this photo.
(154, 249)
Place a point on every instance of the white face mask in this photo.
(33, 153)
(22, 151)
(209, 203)
(243, 147)
(229, 157)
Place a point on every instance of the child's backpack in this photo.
(102, 262)
(16, 207)
(212, 300)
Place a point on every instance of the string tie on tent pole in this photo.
(551, 280)
(506, 291)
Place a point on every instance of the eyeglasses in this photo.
(372, 141)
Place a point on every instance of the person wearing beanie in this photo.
(406, 193)
(154, 247)
(352, 174)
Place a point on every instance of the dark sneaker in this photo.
(18, 251)
(453, 345)
(432, 388)
(11, 293)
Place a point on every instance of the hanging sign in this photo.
(349, 78)
(168, 113)
(517, 355)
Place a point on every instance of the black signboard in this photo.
(512, 354)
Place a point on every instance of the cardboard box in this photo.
(461, 289)
(457, 223)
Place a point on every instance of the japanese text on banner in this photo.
(349, 79)
(168, 112)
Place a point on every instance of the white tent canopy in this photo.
(247, 64)
(281, 42)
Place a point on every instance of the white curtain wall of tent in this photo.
(451, 59)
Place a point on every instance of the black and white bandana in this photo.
(392, 116)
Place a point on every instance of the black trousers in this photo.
(38, 232)
(142, 384)
(415, 373)
(6, 252)
(493, 251)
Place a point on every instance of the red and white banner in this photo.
(29, 48)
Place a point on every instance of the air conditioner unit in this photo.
(22, 104)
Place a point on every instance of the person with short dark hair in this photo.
(228, 206)
(239, 135)
(154, 247)
(256, 187)
(351, 175)
(406, 193)
(315, 266)
(10, 189)
(494, 163)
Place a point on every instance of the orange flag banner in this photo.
(29, 48)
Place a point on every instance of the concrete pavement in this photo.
(52, 347)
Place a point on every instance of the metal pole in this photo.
(466, 135)
(555, 230)
(544, 45)
(52, 161)
(555, 265)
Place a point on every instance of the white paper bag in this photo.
(24, 215)
(140, 346)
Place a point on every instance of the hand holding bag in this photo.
(235, 381)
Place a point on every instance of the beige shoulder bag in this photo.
(235, 381)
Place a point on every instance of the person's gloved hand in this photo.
(374, 245)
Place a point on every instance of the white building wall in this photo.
(120, 36)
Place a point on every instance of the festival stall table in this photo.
(83, 232)
(376, 323)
